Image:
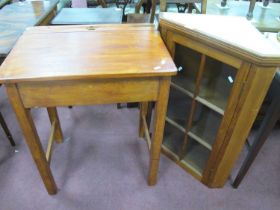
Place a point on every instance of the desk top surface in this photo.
(264, 18)
(234, 34)
(14, 18)
(84, 52)
(85, 16)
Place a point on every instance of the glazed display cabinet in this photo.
(225, 67)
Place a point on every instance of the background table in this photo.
(264, 19)
(85, 16)
(16, 17)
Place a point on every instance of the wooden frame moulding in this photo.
(193, 107)
(166, 151)
(180, 38)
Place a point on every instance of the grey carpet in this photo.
(103, 165)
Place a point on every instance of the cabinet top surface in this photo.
(234, 32)
(80, 52)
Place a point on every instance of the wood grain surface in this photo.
(72, 53)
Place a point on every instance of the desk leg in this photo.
(159, 122)
(31, 137)
(143, 112)
(58, 135)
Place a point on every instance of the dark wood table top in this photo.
(265, 19)
(85, 52)
(86, 16)
(4, 2)
(16, 17)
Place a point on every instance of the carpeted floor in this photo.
(103, 165)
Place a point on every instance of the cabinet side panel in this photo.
(163, 32)
(170, 43)
(251, 98)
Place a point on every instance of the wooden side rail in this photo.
(50, 142)
(147, 133)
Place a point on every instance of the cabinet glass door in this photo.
(197, 102)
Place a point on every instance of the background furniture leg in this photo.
(223, 3)
(251, 9)
(102, 3)
(6, 130)
(162, 6)
(138, 6)
(268, 123)
(153, 11)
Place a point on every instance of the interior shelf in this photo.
(179, 106)
(214, 99)
(175, 124)
(173, 139)
(205, 126)
(196, 156)
(183, 84)
(216, 85)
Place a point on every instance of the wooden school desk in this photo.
(61, 66)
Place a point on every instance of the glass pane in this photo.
(187, 62)
(196, 156)
(179, 107)
(216, 84)
(173, 138)
(205, 126)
